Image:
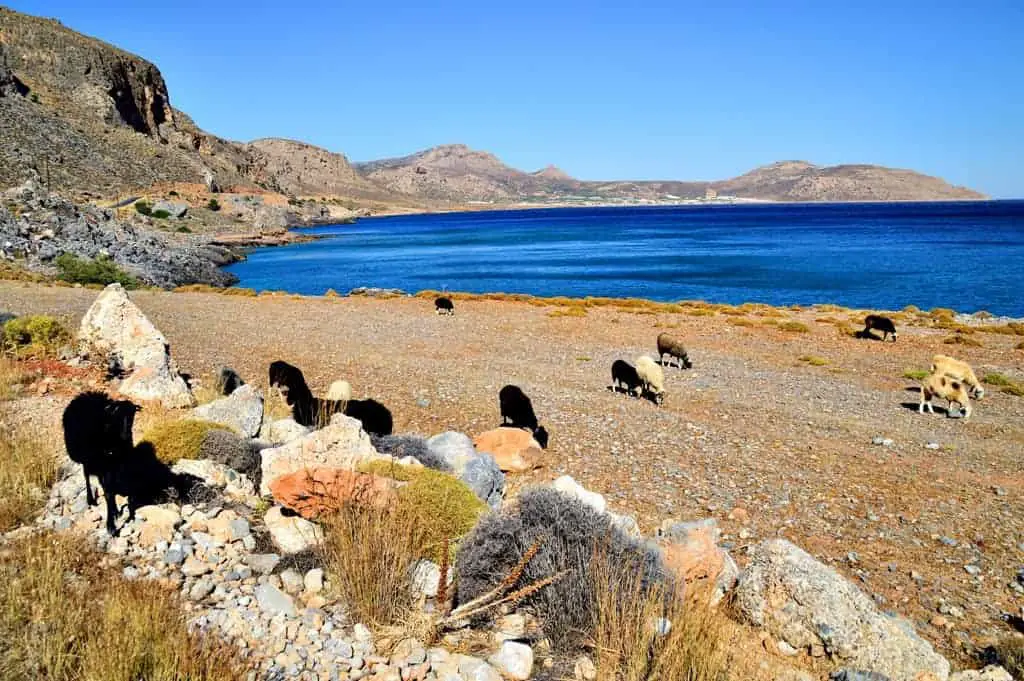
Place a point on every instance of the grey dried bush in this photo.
(400, 446)
(571, 534)
(238, 453)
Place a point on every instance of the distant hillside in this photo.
(86, 116)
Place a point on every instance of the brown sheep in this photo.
(673, 347)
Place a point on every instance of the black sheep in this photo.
(98, 435)
(883, 324)
(517, 411)
(624, 374)
(444, 305)
(308, 410)
(228, 381)
(97, 430)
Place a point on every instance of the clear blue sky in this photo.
(656, 91)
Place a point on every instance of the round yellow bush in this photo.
(177, 439)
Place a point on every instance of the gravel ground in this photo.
(935, 534)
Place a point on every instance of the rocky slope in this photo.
(300, 169)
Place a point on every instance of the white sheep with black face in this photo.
(652, 378)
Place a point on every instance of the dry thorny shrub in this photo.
(644, 630)
(64, 617)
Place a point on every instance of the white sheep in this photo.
(652, 378)
(961, 371)
(340, 391)
(949, 389)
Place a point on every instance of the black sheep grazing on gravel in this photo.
(517, 411)
(444, 305)
(98, 435)
(883, 324)
(308, 410)
(624, 374)
(228, 381)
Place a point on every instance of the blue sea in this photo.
(965, 255)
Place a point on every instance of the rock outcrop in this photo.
(513, 449)
(241, 411)
(808, 604)
(691, 552)
(318, 492)
(341, 445)
(115, 327)
(478, 470)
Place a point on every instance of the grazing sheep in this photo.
(883, 324)
(375, 417)
(340, 391)
(444, 305)
(97, 430)
(949, 389)
(228, 381)
(307, 410)
(961, 371)
(652, 378)
(517, 411)
(624, 374)
(673, 347)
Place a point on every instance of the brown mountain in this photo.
(83, 115)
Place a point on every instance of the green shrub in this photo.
(160, 214)
(102, 270)
(213, 205)
(143, 208)
(996, 379)
(916, 374)
(34, 336)
(447, 508)
(34, 98)
(184, 230)
(176, 439)
(814, 360)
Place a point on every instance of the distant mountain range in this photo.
(90, 118)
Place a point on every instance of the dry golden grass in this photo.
(701, 312)
(28, 467)
(740, 321)
(938, 313)
(814, 360)
(1009, 329)
(369, 554)
(794, 327)
(63, 617)
(961, 339)
(244, 292)
(573, 311)
(629, 636)
(331, 293)
(1015, 389)
(844, 329)
(175, 439)
(916, 374)
(11, 377)
(1019, 346)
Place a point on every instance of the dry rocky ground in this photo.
(930, 524)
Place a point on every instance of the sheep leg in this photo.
(108, 493)
(90, 496)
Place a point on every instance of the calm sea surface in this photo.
(968, 256)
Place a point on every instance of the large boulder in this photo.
(478, 470)
(342, 444)
(691, 553)
(314, 493)
(219, 477)
(284, 430)
(806, 603)
(174, 209)
(115, 328)
(241, 411)
(513, 449)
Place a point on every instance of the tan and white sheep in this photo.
(652, 378)
(673, 347)
(947, 388)
(960, 371)
(340, 391)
